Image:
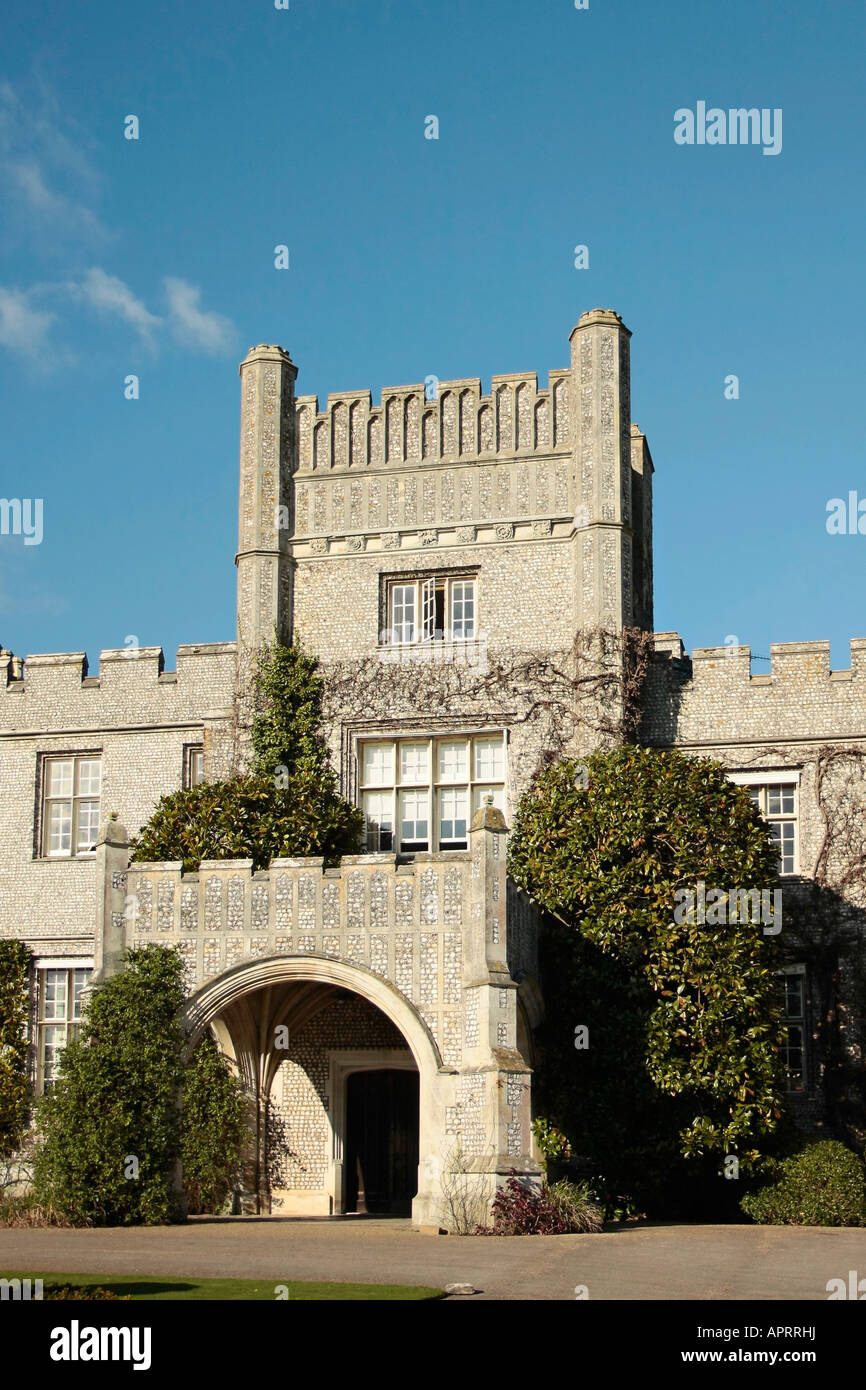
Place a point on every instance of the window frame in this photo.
(791, 1021)
(69, 1023)
(762, 782)
(429, 789)
(426, 588)
(191, 753)
(46, 800)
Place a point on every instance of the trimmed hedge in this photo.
(824, 1185)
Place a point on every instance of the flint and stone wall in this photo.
(139, 719)
(448, 934)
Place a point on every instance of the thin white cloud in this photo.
(110, 295)
(190, 324)
(50, 183)
(22, 327)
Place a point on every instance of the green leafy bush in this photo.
(821, 1186)
(286, 727)
(114, 1101)
(289, 805)
(15, 962)
(684, 1027)
(214, 1128)
(251, 818)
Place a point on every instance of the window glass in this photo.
(378, 764)
(783, 834)
(452, 814)
(793, 986)
(403, 612)
(413, 819)
(453, 760)
(379, 817)
(60, 995)
(489, 759)
(55, 994)
(399, 778)
(414, 763)
(88, 825)
(60, 827)
(88, 777)
(70, 809)
(60, 777)
(462, 609)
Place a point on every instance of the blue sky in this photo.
(409, 257)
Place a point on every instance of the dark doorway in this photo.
(381, 1142)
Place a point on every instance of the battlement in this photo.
(459, 423)
(695, 699)
(56, 689)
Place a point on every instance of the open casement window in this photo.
(439, 608)
(420, 794)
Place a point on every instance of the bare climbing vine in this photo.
(587, 695)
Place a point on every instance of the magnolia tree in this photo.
(662, 1038)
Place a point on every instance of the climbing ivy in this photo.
(289, 804)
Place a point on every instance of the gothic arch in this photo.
(217, 994)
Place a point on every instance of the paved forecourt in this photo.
(653, 1262)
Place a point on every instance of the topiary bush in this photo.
(824, 1185)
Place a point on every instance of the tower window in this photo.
(438, 608)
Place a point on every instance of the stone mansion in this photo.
(448, 556)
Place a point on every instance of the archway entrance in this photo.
(381, 1167)
(338, 1065)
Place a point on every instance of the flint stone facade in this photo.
(427, 961)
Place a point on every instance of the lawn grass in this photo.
(156, 1287)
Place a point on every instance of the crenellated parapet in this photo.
(462, 460)
(715, 698)
(55, 691)
(449, 423)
